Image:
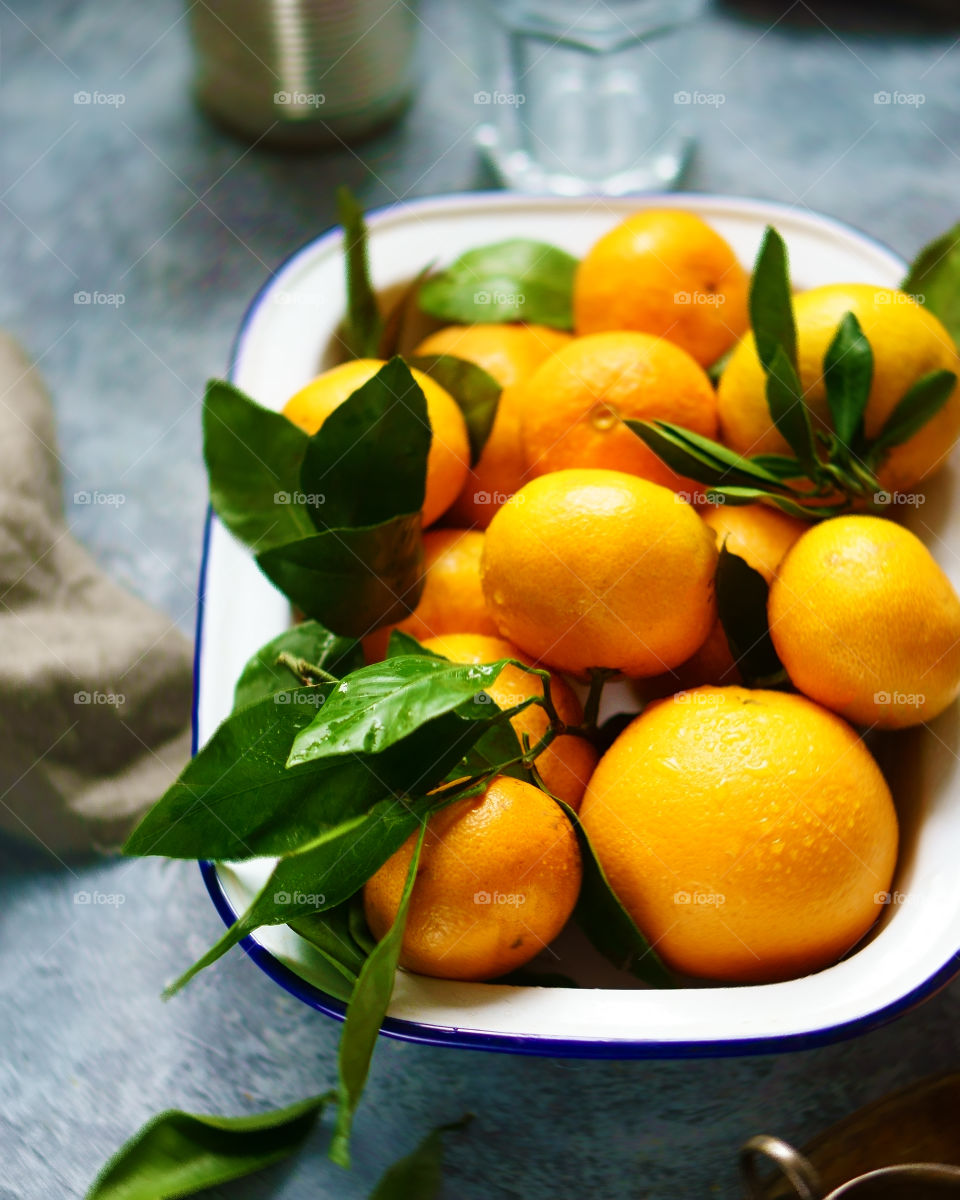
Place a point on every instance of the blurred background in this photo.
(134, 228)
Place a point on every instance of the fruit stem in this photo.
(307, 672)
(591, 709)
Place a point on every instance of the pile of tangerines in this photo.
(748, 832)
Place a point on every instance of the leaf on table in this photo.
(419, 1175)
(365, 1013)
(381, 704)
(367, 463)
(352, 580)
(476, 392)
(742, 608)
(607, 924)
(515, 280)
(263, 676)
(253, 459)
(363, 325)
(912, 411)
(179, 1154)
(771, 302)
(934, 279)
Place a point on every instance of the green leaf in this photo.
(365, 1013)
(746, 495)
(912, 411)
(335, 865)
(253, 459)
(352, 580)
(476, 392)
(401, 643)
(847, 375)
(607, 924)
(392, 336)
(419, 1175)
(934, 279)
(789, 411)
(263, 676)
(742, 608)
(699, 458)
(331, 935)
(367, 463)
(363, 325)
(179, 1154)
(771, 302)
(516, 280)
(781, 466)
(717, 368)
(379, 705)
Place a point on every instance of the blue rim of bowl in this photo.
(465, 1039)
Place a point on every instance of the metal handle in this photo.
(798, 1172)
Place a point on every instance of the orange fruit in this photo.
(592, 568)
(572, 408)
(759, 535)
(866, 623)
(907, 342)
(566, 764)
(748, 833)
(665, 272)
(449, 455)
(510, 353)
(452, 598)
(498, 877)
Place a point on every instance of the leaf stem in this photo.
(307, 672)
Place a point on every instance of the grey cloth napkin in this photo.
(95, 687)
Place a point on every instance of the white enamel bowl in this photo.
(281, 345)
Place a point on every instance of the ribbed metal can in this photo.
(303, 72)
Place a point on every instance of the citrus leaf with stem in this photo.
(912, 411)
(771, 302)
(363, 325)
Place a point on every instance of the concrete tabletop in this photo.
(147, 201)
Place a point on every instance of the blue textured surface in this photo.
(149, 201)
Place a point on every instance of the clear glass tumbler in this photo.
(586, 97)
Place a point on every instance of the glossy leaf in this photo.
(419, 1175)
(742, 608)
(365, 1013)
(352, 580)
(934, 279)
(263, 676)
(515, 280)
(914, 409)
(391, 339)
(401, 643)
(380, 704)
(178, 1154)
(330, 934)
(367, 463)
(847, 376)
(363, 324)
(789, 412)
(700, 458)
(253, 459)
(607, 924)
(771, 302)
(476, 392)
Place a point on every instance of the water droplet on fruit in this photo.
(602, 417)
